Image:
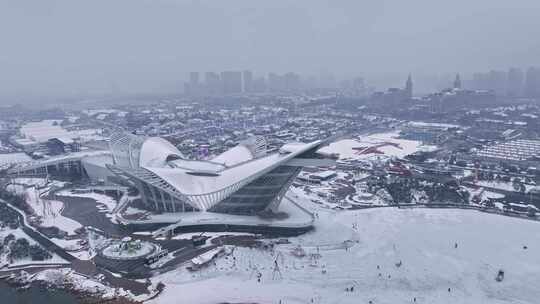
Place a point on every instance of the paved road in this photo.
(81, 266)
(38, 237)
(85, 211)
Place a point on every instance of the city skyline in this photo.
(513, 82)
(56, 48)
(278, 151)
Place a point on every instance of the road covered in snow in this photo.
(384, 255)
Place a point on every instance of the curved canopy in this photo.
(155, 152)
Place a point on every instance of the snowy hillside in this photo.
(423, 240)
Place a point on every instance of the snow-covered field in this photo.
(81, 283)
(423, 240)
(50, 212)
(345, 147)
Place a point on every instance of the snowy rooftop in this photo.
(151, 159)
(374, 146)
(32, 164)
(44, 130)
(196, 185)
(13, 158)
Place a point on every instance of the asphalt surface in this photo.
(84, 267)
(85, 211)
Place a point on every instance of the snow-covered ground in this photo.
(345, 147)
(423, 240)
(116, 251)
(18, 233)
(211, 235)
(81, 283)
(483, 194)
(50, 212)
(508, 186)
(6, 159)
(74, 248)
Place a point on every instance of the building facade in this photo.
(245, 180)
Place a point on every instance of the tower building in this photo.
(457, 82)
(409, 88)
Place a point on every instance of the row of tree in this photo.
(20, 248)
(407, 190)
(8, 217)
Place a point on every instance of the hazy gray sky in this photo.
(85, 47)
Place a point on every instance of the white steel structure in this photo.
(244, 180)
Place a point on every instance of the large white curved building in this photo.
(245, 180)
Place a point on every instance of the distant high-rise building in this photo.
(248, 81)
(497, 82)
(409, 87)
(358, 82)
(514, 84)
(480, 81)
(457, 82)
(441, 102)
(232, 82)
(212, 83)
(275, 82)
(259, 85)
(193, 87)
(194, 78)
(394, 97)
(532, 82)
(326, 80)
(492, 81)
(358, 86)
(291, 82)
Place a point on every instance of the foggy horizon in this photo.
(278, 151)
(75, 48)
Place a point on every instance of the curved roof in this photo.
(155, 151)
(197, 165)
(199, 185)
(233, 156)
(203, 184)
(248, 149)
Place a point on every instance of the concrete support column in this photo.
(173, 205)
(163, 200)
(152, 190)
(142, 192)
